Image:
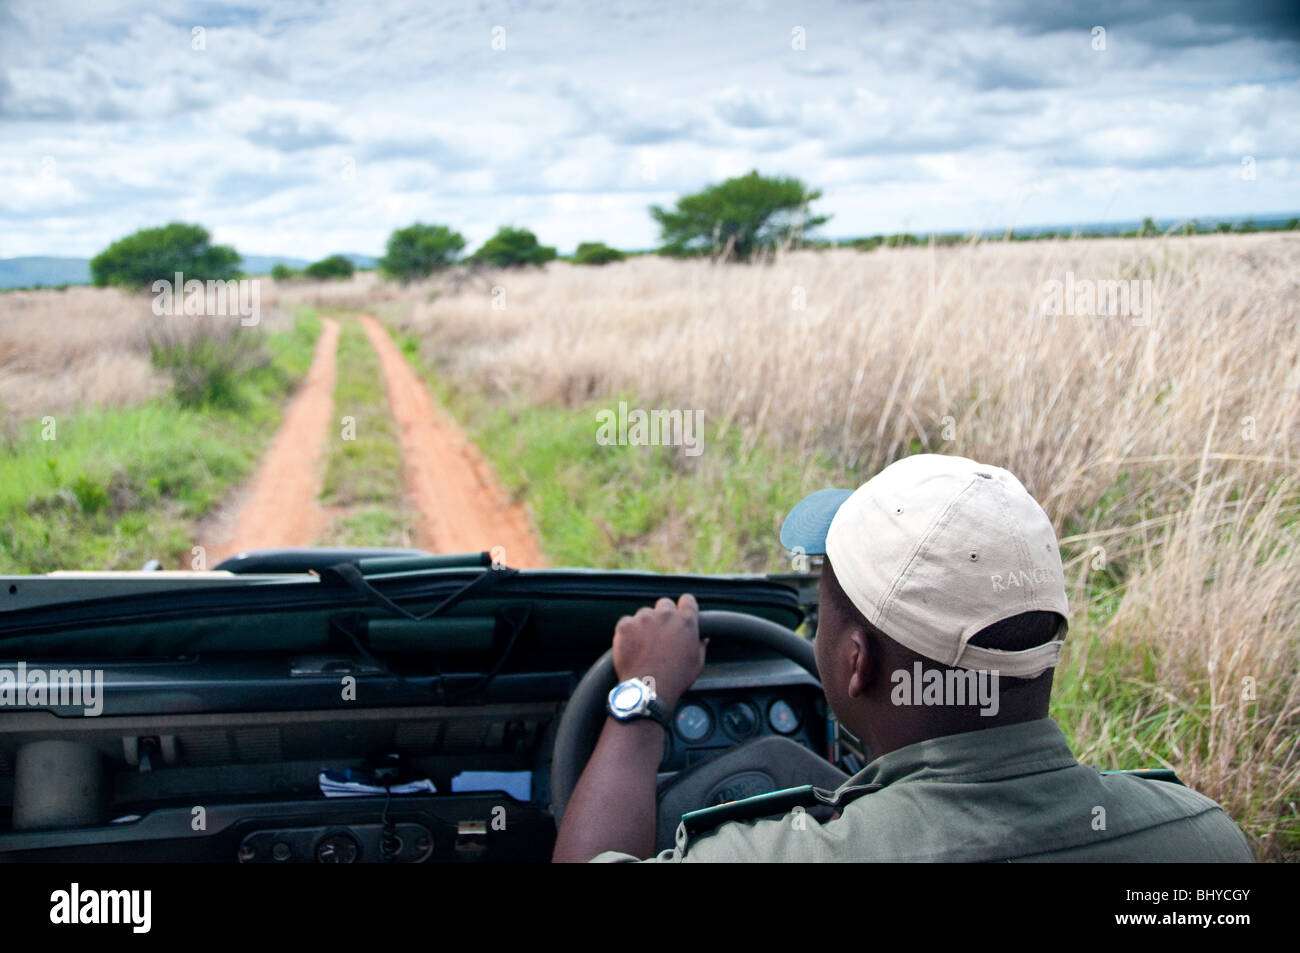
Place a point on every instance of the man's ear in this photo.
(860, 662)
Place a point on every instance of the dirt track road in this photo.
(460, 506)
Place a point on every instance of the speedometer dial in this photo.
(694, 723)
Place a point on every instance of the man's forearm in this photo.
(613, 806)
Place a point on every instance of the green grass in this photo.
(363, 475)
(116, 488)
(1117, 712)
(627, 507)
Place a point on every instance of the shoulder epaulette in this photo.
(1148, 774)
(813, 799)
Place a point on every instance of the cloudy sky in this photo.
(305, 127)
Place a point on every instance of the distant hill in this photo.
(46, 272)
(43, 271)
(1203, 224)
(261, 264)
(362, 261)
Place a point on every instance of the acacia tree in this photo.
(143, 257)
(419, 250)
(739, 217)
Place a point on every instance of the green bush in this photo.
(513, 248)
(283, 272)
(150, 254)
(596, 253)
(419, 250)
(91, 496)
(333, 267)
(209, 369)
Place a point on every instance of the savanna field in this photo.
(1164, 446)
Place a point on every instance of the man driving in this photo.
(941, 616)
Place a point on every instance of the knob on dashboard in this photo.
(337, 848)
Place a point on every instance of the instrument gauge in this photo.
(694, 723)
(740, 720)
(783, 718)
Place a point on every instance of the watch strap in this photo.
(658, 711)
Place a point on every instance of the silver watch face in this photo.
(627, 697)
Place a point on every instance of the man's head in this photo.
(940, 572)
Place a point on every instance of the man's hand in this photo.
(662, 646)
(613, 806)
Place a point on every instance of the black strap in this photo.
(349, 574)
(515, 616)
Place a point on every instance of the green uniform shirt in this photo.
(1001, 794)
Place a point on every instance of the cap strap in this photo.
(1025, 663)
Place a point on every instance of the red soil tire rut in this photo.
(459, 504)
(282, 506)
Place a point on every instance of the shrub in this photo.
(333, 267)
(207, 365)
(283, 272)
(91, 497)
(596, 253)
(512, 248)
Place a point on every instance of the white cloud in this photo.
(305, 127)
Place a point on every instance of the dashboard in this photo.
(164, 756)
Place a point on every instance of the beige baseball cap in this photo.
(935, 548)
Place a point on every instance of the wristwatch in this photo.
(634, 699)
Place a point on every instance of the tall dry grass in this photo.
(891, 343)
(1163, 446)
(365, 289)
(62, 351)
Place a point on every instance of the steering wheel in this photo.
(771, 762)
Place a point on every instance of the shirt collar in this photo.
(1027, 747)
